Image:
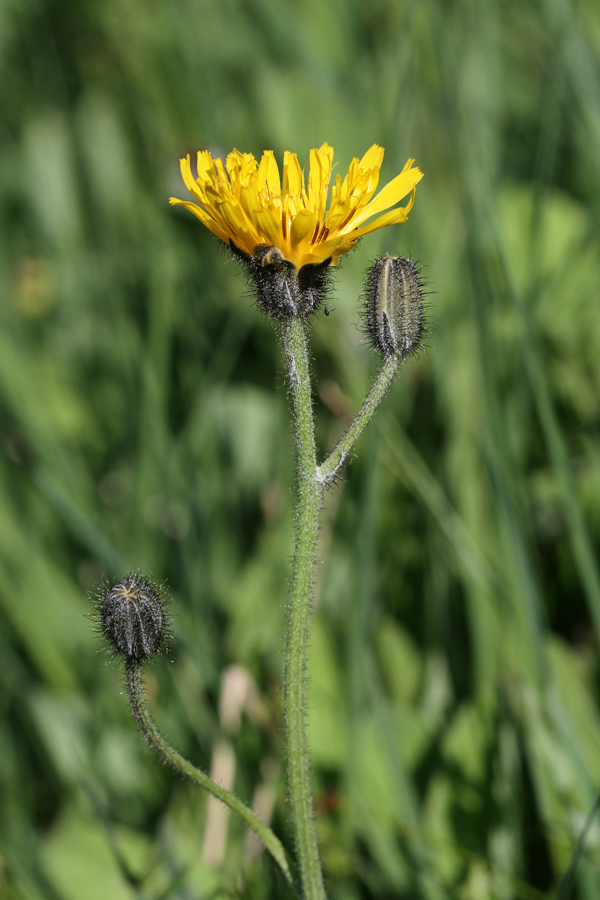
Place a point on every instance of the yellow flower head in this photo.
(247, 204)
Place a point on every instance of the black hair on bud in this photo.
(394, 306)
(283, 291)
(131, 615)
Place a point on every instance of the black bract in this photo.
(131, 614)
(394, 306)
(283, 291)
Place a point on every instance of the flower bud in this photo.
(131, 615)
(282, 290)
(394, 315)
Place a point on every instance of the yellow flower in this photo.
(248, 205)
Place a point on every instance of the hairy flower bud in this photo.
(131, 615)
(282, 290)
(394, 315)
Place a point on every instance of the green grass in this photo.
(455, 724)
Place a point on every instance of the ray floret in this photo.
(248, 204)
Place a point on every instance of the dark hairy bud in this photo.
(394, 309)
(283, 291)
(131, 614)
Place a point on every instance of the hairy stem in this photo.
(310, 494)
(334, 462)
(137, 699)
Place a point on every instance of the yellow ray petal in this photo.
(372, 158)
(393, 217)
(334, 247)
(269, 227)
(249, 201)
(221, 173)
(397, 188)
(326, 150)
(238, 223)
(185, 167)
(217, 202)
(268, 174)
(205, 165)
(204, 218)
(303, 224)
(233, 161)
(292, 175)
(350, 179)
(318, 180)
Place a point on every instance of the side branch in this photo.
(137, 700)
(336, 459)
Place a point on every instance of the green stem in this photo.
(310, 493)
(137, 699)
(334, 462)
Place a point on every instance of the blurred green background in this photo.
(454, 718)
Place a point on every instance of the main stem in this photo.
(307, 525)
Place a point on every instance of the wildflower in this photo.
(247, 205)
